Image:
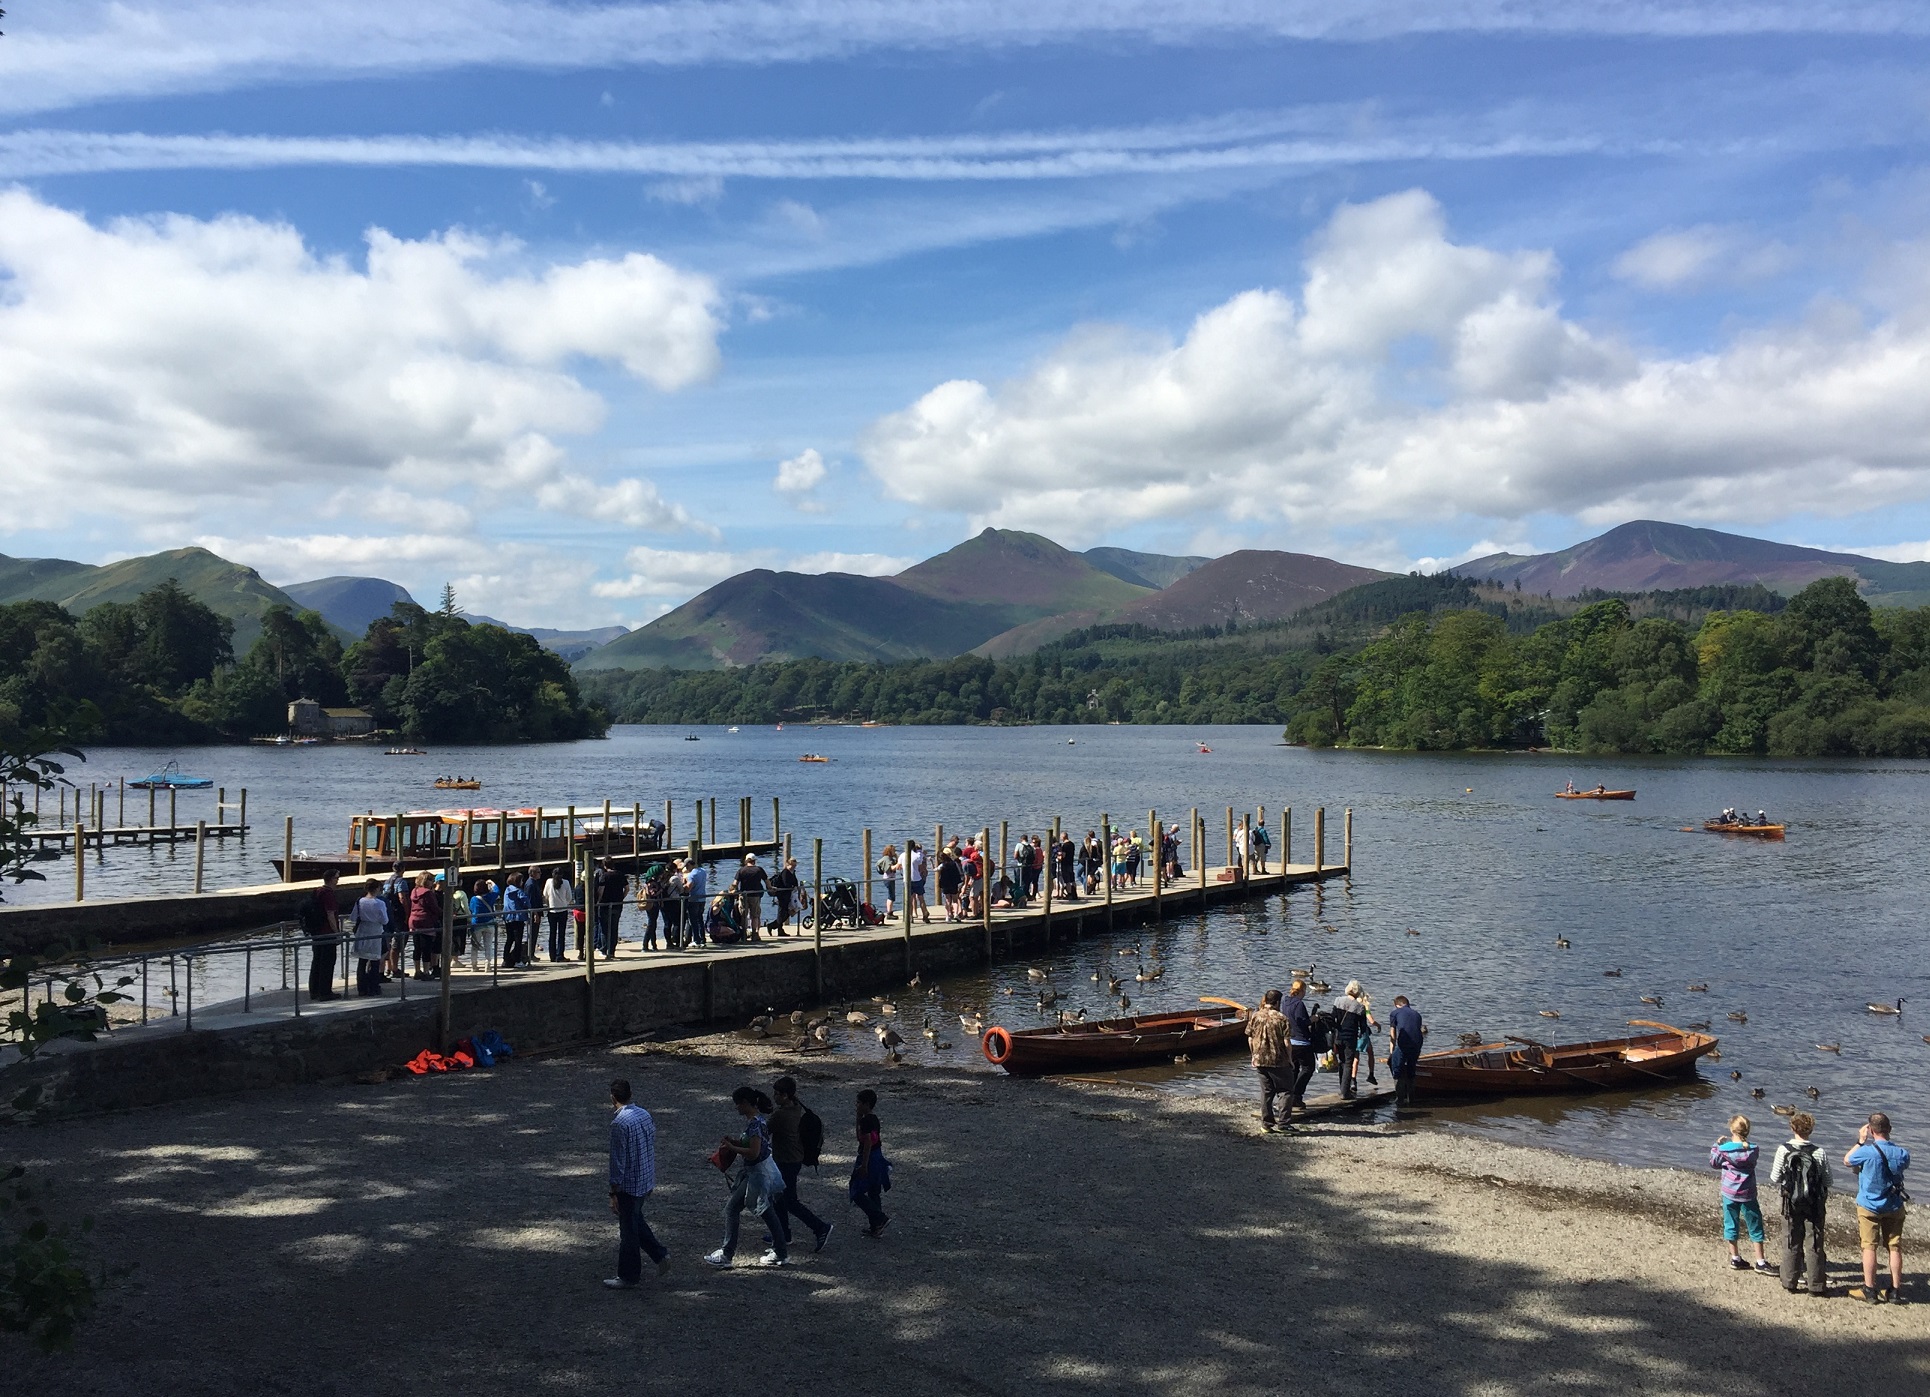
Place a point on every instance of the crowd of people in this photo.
(763, 1159)
(1288, 1040)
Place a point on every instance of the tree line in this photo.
(162, 669)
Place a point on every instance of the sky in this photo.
(583, 307)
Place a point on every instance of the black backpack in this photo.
(1805, 1182)
(810, 1135)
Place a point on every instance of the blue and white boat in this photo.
(170, 777)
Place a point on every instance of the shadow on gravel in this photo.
(448, 1235)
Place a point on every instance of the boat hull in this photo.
(1114, 1042)
(1594, 795)
(1747, 831)
(1517, 1067)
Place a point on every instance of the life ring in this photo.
(997, 1044)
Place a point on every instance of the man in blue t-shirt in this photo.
(1404, 1032)
(1879, 1167)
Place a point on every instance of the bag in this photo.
(1893, 1190)
(723, 1157)
(810, 1135)
(1329, 1062)
(872, 916)
(494, 1042)
(1804, 1183)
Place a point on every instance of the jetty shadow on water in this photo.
(447, 1235)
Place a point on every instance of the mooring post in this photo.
(817, 914)
(1347, 832)
(1158, 850)
(1246, 842)
(122, 819)
(449, 879)
(1195, 845)
(1286, 836)
(1105, 834)
(220, 805)
(174, 825)
(288, 848)
(636, 831)
(200, 850)
(700, 822)
(1012, 872)
(669, 825)
(744, 823)
(80, 861)
(606, 827)
(242, 814)
(1319, 838)
(867, 864)
(777, 826)
(985, 885)
(590, 911)
(713, 821)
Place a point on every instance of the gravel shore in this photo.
(447, 1235)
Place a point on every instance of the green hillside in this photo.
(229, 589)
(1028, 573)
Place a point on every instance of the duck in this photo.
(1698, 989)
(1033, 973)
(1412, 932)
(1654, 999)
(1784, 1110)
(942, 1044)
(1561, 943)
(1181, 1059)
(1812, 1092)
(857, 1018)
(1738, 1016)
(1829, 1047)
(1550, 1013)
(1714, 1055)
(1700, 1027)
(1885, 1009)
(1612, 974)
(971, 1023)
(1735, 1076)
(1757, 1093)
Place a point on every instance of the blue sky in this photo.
(587, 306)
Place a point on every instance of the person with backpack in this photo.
(797, 1139)
(887, 869)
(785, 886)
(1262, 845)
(1880, 1197)
(749, 885)
(760, 1185)
(425, 925)
(1350, 1020)
(1300, 1045)
(1801, 1174)
(322, 920)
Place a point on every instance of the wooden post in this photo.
(590, 910)
(123, 814)
(1319, 838)
(173, 824)
(777, 826)
(1246, 833)
(787, 846)
(150, 806)
(243, 812)
(1005, 862)
(1202, 865)
(817, 914)
(569, 839)
(1229, 836)
(606, 827)
(1051, 875)
(1159, 870)
(744, 823)
(636, 831)
(200, 850)
(867, 863)
(220, 804)
(360, 829)
(1194, 842)
(1105, 833)
(669, 828)
(1347, 834)
(288, 848)
(395, 846)
(700, 822)
(80, 861)
(468, 833)
(449, 880)
(713, 820)
(502, 843)
(1286, 836)
(985, 885)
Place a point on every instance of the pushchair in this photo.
(838, 906)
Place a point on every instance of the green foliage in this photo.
(46, 1286)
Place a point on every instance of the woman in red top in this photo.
(425, 924)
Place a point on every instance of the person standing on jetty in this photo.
(696, 903)
(1801, 1175)
(515, 922)
(784, 890)
(1262, 845)
(1266, 1034)
(871, 1174)
(1405, 1032)
(425, 925)
(612, 886)
(915, 881)
(888, 870)
(371, 929)
(558, 899)
(1736, 1158)
(797, 1138)
(1880, 1198)
(1299, 1044)
(322, 920)
(633, 1178)
(749, 885)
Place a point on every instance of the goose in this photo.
(1698, 989)
(1812, 1092)
(942, 1044)
(1124, 1002)
(1561, 943)
(1885, 1009)
(880, 999)
(1007, 990)
(1470, 1040)
(821, 1034)
(797, 1018)
(1714, 1055)
(1033, 973)
(1829, 1047)
(971, 1023)
(1129, 950)
(1654, 999)
(1098, 975)
(1550, 1013)
(1735, 1076)
(1048, 998)
(819, 1022)
(1738, 1016)
(1181, 1059)
(1113, 982)
(1067, 1017)
(761, 1025)
(887, 1009)
(1700, 1027)
(1756, 1092)
(1612, 974)
(857, 1018)
(917, 979)
(930, 1031)
(889, 1038)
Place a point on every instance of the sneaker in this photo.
(1764, 1268)
(1736, 1263)
(1868, 1297)
(663, 1266)
(717, 1258)
(618, 1283)
(1894, 1297)
(823, 1237)
(1372, 1080)
(771, 1258)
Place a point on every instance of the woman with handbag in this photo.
(759, 1187)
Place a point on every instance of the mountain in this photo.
(1648, 555)
(348, 602)
(765, 615)
(571, 645)
(1025, 572)
(1142, 569)
(232, 590)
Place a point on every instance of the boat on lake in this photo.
(434, 838)
(1599, 793)
(1124, 1042)
(458, 783)
(170, 777)
(813, 757)
(406, 752)
(1752, 831)
(1520, 1066)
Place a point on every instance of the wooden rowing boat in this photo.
(1754, 831)
(1115, 1042)
(453, 783)
(1518, 1066)
(1597, 794)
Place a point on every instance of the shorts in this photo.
(1877, 1231)
(1738, 1215)
(915, 887)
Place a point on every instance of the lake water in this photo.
(1471, 851)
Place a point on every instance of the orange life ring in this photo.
(997, 1045)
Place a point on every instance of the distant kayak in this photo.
(170, 777)
(1599, 793)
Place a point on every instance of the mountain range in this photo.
(230, 589)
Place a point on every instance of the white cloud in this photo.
(799, 476)
(1486, 548)
(1412, 378)
(694, 190)
(1682, 257)
(286, 558)
(656, 572)
(84, 50)
(863, 564)
(149, 367)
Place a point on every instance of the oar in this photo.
(1229, 1003)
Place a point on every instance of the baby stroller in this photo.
(838, 906)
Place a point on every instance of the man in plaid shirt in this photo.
(633, 1177)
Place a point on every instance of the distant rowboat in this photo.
(456, 783)
(813, 757)
(1755, 831)
(1599, 793)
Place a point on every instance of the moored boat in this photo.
(170, 777)
(1599, 793)
(435, 838)
(1520, 1066)
(1115, 1042)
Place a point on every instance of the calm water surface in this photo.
(1471, 851)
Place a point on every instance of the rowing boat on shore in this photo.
(1599, 793)
(1115, 1042)
(1519, 1066)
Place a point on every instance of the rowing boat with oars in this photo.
(1599, 793)
(1753, 831)
(1517, 1066)
(457, 783)
(1142, 1038)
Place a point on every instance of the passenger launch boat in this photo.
(1115, 1042)
(431, 838)
(1517, 1066)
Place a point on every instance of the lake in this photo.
(1470, 850)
